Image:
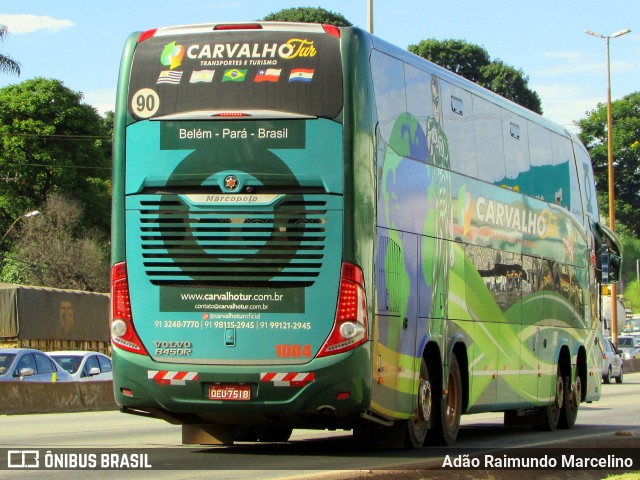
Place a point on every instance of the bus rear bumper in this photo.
(307, 395)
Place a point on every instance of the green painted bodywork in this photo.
(449, 261)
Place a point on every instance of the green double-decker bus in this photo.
(315, 229)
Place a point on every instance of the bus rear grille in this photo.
(233, 245)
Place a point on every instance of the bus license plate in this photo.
(230, 392)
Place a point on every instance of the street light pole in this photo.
(26, 215)
(612, 210)
(370, 16)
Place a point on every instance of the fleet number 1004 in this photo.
(286, 350)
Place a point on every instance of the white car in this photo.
(29, 365)
(84, 366)
(611, 362)
(629, 346)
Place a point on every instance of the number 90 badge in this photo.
(145, 103)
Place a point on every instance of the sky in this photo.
(79, 42)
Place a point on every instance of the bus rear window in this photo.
(235, 71)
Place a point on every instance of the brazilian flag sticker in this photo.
(234, 75)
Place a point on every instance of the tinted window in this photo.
(489, 147)
(563, 166)
(295, 72)
(26, 361)
(457, 113)
(92, 362)
(585, 173)
(608, 346)
(44, 363)
(516, 148)
(420, 106)
(105, 364)
(388, 83)
(5, 362)
(625, 342)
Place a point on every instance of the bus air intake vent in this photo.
(243, 246)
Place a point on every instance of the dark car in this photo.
(29, 365)
(611, 362)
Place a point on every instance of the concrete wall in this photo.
(631, 365)
(33, 397)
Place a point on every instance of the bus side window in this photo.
(419, 106)
(489, 146)
(459, 128)
(388, 85)
(585, 174)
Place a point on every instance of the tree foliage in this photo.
(474, 63)
(7, 64)
(54, 250)
(308, 15)
(632, 296)
(626, 155)
(52, 142)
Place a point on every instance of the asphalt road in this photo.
(613, 421)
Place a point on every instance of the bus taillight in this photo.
(147, 35)
(238, 26)
(123, 334)
(332, 30)
(350, 324)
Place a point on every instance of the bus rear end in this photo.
(232, 305)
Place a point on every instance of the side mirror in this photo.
(610, 263)
(94, 371)
(26, 372)
(604, 264)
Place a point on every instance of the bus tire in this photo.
(447, 408)
(572, 398)
(549, 416)
(418, 426)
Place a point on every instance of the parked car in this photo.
(84, 366)
(629, 346)
(632, 326)
(29, 365)
(611, 362)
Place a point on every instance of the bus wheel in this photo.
(572, 397)
(273, 434)
(447, 408)
(417, 427)
(550, 415)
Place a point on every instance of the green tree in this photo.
(457, 56)
(626, 154)
(474, 63)
(510, 83)
(632, 296)
(7, 64)
(54, 250)
(308, 15)
(50, 141)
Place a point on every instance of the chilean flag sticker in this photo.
(268, 75)
(301, 75)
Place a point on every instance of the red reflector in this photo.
(147, 35)
(119, 271)
(343, 395)
(126, 392)
(239, 26)
(332, 30)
